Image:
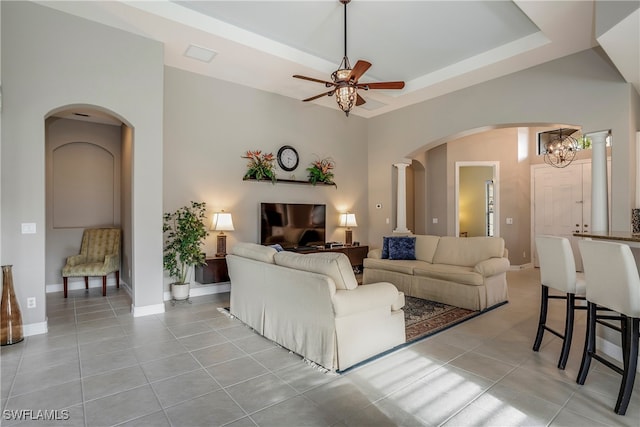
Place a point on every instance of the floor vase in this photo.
(10, 316)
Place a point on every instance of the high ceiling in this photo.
(434, 46)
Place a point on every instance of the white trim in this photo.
(610, 349)
(75, 283)
(35, 329)
(513, 267)
(198, 290)
(146, 310)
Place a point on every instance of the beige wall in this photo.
(83, 64)
(437, 218)
(210, 124)
(126, 204)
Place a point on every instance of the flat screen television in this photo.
(292, 225)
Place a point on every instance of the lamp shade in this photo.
(348, 220)
(222, 221)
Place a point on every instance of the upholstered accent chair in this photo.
(99, 256)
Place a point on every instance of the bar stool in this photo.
(558, 271)
(613, 284)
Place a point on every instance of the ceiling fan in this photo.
(345, 83)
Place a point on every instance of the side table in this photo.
(214, 272)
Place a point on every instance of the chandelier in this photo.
(561, 148)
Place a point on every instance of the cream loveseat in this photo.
(312, 305)
(468, 272)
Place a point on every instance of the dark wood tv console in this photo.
(356, 254)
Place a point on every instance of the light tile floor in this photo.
(193, 366)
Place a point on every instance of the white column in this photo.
(401, 204)
(599, 192)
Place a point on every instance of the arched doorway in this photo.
(88, 152)
(515, 147)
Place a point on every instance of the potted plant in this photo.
(184, 231)
(321, 171)
(260, 166)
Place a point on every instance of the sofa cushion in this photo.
(426, 247)
(400, 266)
(467, 251)
(402, 248)
(451, 273)
(254, 251)
(333, 264)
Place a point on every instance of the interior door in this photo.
(562, 203)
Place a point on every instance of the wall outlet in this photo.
(387, 220)
(524, 254)
(434, 220)
(510, 221)
(31, 302)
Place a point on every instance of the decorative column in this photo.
(401, 204)
(599, 192)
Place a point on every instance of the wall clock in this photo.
(288, 158)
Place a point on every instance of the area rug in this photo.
(423, 318)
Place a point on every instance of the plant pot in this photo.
(180, 291)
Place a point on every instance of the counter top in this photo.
(612, 235)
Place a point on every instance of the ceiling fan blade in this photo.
(326, 83)
(331, 92)
(360, 100)
(358, 70)
(381, 85)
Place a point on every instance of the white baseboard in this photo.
(610, 349)
(521, 266)
(147, 310)
(30, 329)
(198, 290)
(75, 283)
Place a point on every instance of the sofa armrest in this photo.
(366, 297)
(375, 253)
(76, 260)
(492, 266)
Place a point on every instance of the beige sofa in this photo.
(312, 305)
(468, 272)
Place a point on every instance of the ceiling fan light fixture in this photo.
(341, 75)
(346, 97)
(345, 79)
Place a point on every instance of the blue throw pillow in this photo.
(385, 247)
(277, 247)
(402, 248)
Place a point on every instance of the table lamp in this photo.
(222, 222)
(348, 220)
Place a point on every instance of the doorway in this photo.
(477, 198)
(88, 184)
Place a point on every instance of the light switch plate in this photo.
(28, 228)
